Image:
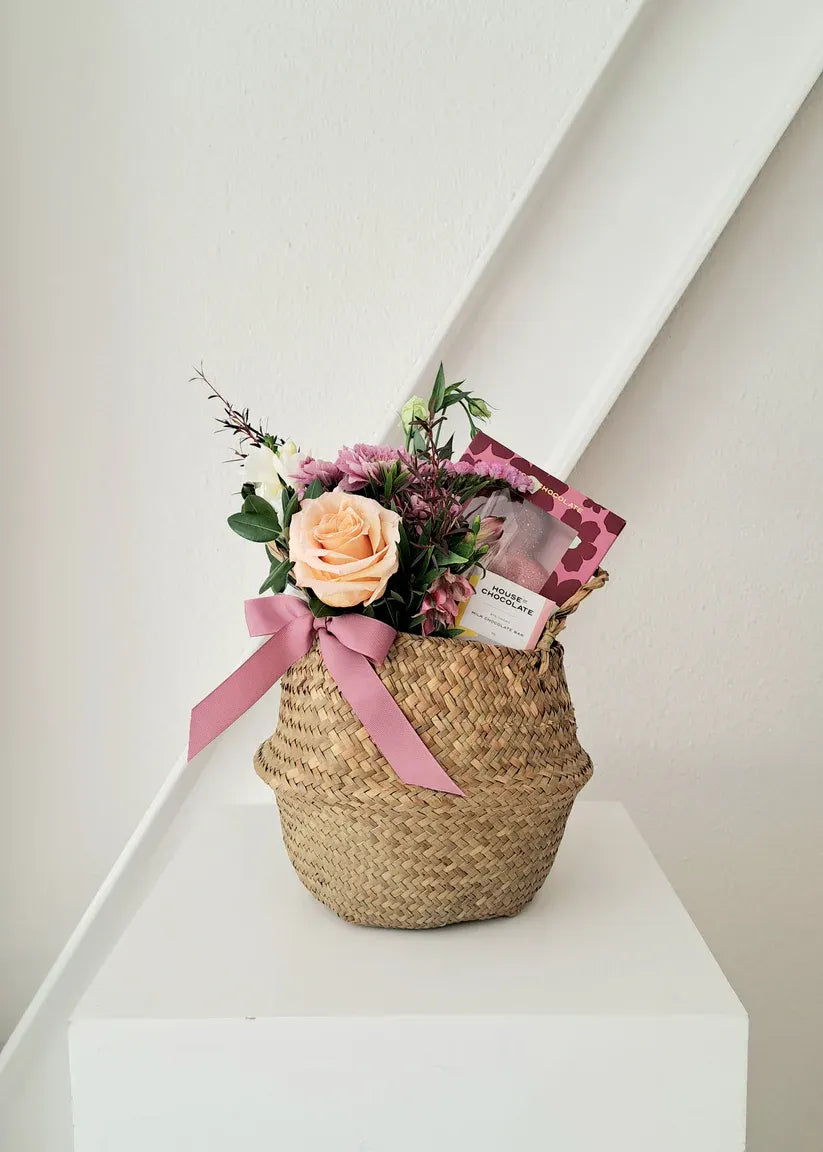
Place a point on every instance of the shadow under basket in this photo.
(383, 853)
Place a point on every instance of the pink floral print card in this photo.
(543, 547)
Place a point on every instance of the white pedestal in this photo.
(237, 1014)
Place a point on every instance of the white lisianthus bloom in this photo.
(287, 461)
(260, 468)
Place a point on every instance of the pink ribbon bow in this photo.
(351, 645)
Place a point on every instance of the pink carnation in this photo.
(495, 470)
(442, 601)
(459, 467)
(363, 463)
(310, 469)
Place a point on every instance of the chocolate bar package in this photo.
(545, 545)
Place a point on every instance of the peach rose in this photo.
(344, 548)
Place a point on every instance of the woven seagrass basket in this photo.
(380, 852)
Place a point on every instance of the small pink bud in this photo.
(491, 529)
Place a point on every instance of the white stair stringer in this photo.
(621, 213)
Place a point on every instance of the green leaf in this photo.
(445, 453)
(314, 490)
(252, 527)
(289, 503)
(403, 546)
(464, 548)
(388, 481)
(257, 521)
(436, 398)
(424, 558)
(256, 506)
(278, 577)
(254, 503)
(320, 609)
(450, 559)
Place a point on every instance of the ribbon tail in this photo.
(238, 692)
(377, 711)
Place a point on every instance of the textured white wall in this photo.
(697, 672)
(294, 192)
(297, 200)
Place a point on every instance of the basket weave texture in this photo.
(380, 852)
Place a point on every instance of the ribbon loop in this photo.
(350, 645)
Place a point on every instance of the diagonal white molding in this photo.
(593, 256)
(624, 210)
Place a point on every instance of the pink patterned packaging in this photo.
(551, 542)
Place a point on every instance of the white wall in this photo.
(697, 672)
(293, 192)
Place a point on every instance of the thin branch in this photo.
(236, 421)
